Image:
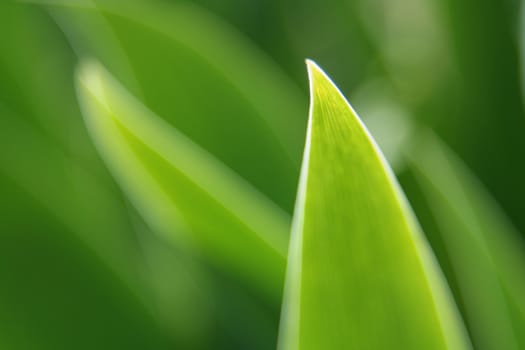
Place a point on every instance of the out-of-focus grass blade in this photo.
(46, 152)
(485, 252)
(361, 275)
(25, 85)
(180, 56)
(55, 293)
(72, 195)
(487, 100)
(180, 188)
(41, 132)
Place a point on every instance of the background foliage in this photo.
(82, 266)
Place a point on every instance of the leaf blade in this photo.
(483, 248)
(253, 102)
(172, 182)
(334, 297)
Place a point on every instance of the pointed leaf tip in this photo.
(311, 65)
(358, 264)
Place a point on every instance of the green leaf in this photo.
(82, 202)
(204, 78)
(56, 294)
(39, 91)
(181, 190)
(486, 254)
(360, 275)
(46, 153)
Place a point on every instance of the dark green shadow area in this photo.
(54, 294)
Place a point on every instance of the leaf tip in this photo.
(320, 83)
(315, 76)
(310, 63)
(313, 70)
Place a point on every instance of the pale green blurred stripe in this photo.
(486, 253)
(180, 189)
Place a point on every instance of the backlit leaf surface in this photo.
(360, 275)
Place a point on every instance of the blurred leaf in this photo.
(48, 166)
(360, 273)
(179, 188)
(71, 194)
(41, 132)
(40, 91)
(488, 104)
(57, 295)
(486, 254)
(202, 77)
